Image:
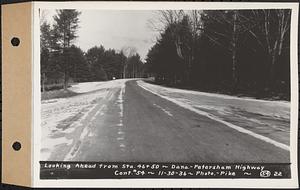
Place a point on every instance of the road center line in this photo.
(240, 129)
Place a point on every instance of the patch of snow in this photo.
(280, 109)
(164, 110)
(190, 102)
(71, 111)
(84, 133)
(92, 86)
(223, 96)
(49, 101)
(69, 130)
(91, 134)
(120, 101)
(99, 112)
(51, 144)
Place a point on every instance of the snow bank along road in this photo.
(131, 120)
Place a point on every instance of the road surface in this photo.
(129, 122)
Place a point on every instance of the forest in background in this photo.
(244, 52)
(63, 63)
(241, 52)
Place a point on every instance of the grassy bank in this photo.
(57, 94)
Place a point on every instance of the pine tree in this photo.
(45, 51)
(65, 28)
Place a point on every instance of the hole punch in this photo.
(15, 41)
(16, 146)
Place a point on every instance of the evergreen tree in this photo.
(65, 28)
(78, 67)
(95, 59)
(45, 51)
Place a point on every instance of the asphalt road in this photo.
(136, 125)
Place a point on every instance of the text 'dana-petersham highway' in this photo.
(99, 170)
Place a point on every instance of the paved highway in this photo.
(130, 123)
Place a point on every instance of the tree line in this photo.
(231, 51)
(62, 62)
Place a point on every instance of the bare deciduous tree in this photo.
(228, 38)
(128, 51)
(274, 27)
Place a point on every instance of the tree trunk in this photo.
(189, 71)
(234, 77)
(234, 49)
(273, 63)
(124, 71)
(43, 82)
(75, 73)
(272, 71)
(65, 72)
(65, 81)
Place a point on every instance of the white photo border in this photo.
(164, 183)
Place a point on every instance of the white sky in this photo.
(113, 29)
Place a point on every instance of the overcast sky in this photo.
(113, 29)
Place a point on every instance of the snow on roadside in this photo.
(56, 113)
(92, 86)
(269, 118)
(280, 109)
(60, 117)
